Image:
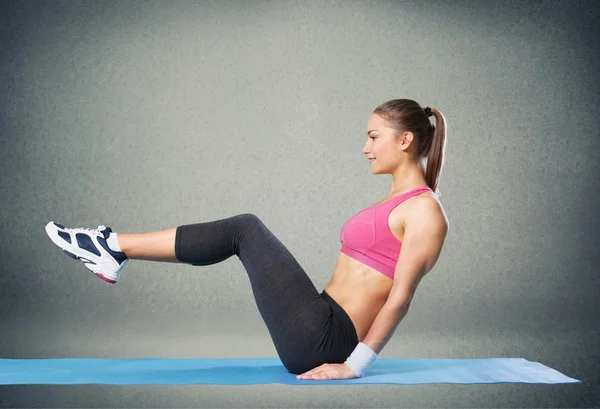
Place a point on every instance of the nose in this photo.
(365, 150)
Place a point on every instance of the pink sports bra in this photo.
(367, 237)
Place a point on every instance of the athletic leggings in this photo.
(308, 328)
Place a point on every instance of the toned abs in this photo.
(359, 289)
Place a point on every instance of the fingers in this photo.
(312, 372)
(316, 373)
(314, 376)
(309, 375)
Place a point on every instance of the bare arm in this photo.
(424, 234)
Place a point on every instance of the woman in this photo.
(386, 250)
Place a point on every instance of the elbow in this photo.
(400, 302)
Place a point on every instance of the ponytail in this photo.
(435, 152)
(408, 115)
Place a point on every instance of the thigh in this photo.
(290, 305)
(299, 319)
(308, 328)
(279, 283)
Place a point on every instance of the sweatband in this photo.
(360, 359)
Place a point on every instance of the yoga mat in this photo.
(252, 371)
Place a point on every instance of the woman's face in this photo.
(381, 145)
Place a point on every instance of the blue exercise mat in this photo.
(252, 371)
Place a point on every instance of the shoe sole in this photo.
(51, 230)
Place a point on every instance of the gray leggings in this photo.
(308, 328)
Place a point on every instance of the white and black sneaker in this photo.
(90, 246)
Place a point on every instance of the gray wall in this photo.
(147, 115)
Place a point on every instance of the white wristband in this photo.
(361, 358)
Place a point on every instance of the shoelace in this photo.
(94, 231)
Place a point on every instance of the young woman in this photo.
(386, 250)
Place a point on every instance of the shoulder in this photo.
(426, 213)
(423, 213)
(426, 227)
(428, 206)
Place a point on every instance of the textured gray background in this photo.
(148, 115)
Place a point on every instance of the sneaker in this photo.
(89, 246)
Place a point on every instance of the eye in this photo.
(373, 137)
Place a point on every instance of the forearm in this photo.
(379, 334)
(384, 326)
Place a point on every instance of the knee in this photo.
(248, 220)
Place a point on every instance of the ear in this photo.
(405, 140)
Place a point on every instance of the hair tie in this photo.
(427, 111)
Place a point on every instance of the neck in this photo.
(407, 176)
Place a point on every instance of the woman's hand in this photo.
(328, 371)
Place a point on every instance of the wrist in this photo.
(361, 358)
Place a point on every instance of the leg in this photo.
(298, 318)
(307, 328)
(155, 246)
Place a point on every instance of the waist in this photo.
(340, 314)
(359, 290)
